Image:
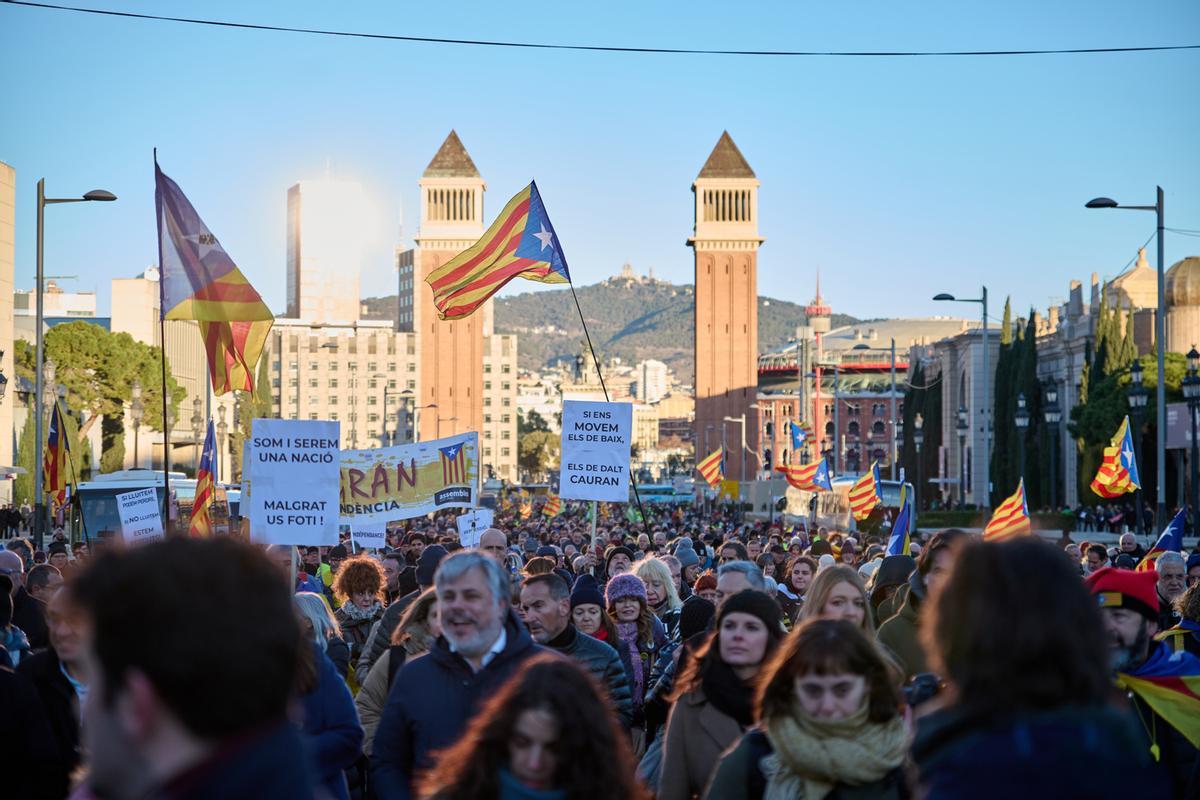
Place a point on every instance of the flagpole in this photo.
(162, 335)
(87, 539)
(632, 478)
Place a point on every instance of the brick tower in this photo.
(726, 243)
(451, 352)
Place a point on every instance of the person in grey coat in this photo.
(546, 606)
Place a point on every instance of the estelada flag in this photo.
(526, 510)
(54, 463)
(1118, 473)
(898, 542)
(200, 524)
(864, 494)
(553, 506)
(810, 477)
(1010, 519)
(199, 281)
(1170, 541)
(712, 468)
(521, 243)
(1169, 682)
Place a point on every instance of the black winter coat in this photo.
(430, 703)
(60, 704)
(604, 665)
(30, 616)
(27, 743)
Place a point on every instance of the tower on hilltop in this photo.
(726, 242)
(451, 352)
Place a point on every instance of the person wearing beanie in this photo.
(640, 637)
(618, 560)
(714, 694)
(689, 562)
(587, 611)
(1128, 602)
(381, 632)
(706, 587)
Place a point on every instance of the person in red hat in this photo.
(1128, 603)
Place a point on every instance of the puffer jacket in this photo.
(604, 665)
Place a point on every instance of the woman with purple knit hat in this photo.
(640, 637)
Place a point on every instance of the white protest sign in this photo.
(294, 470)
(595, 451)
(141, 520)
(472, 525)
(369, 534)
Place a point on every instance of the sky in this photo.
(896, 178)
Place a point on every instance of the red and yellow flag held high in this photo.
(552, 506)
(55, 464)
(712, 468)
(864, 494)
(1118, 473)
(200, 281)
(521, 243)
(200, 524)
(1010, 519)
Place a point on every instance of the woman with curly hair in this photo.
(550, 733)
(359, 586)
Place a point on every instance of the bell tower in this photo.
(726, 242)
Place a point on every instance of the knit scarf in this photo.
(728, 693)
(627, 632)
(353, 612)
(812, 756)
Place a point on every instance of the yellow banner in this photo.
(411, 480)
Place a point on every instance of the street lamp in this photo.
(918, 440)
(167, 436)
(1191, 393)
(222, 433)
(898, 441)
(962, 455)
(1053, 415)
(96, 195)
(136, 411)
(741, 420)
(1137, 406)
(987, 379)
(1021, 418)
(1160, 337)
(197, 430)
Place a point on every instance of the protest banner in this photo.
(294, 469)
(595, 451)
(141, 521)
(410, 480)
(472, 525)
(369, 534)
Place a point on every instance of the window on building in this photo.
(333, 401)
(392, 366)
(506, 418)
(487, 386)
(333, 415)
(372, 418)
(352, 366)
(371, 384)
(314, 400)
(371, 365)
(313, 365)
(852, 428)
(487, 451)
(293, 365)
(333, 383)
(312, 383)
(505, 386)
(505, 434)
(411, 367)
(275, 365)
(391, 384)
(878, 428)
(504, 451)
(293, 382)
(487, 434)
(333, 366)
(371, 400)
(487, 400)
(878, 454)
(487, 419)
(487, 368)
(312, 415)
(410, 384)
(506, 368)
(275, 382)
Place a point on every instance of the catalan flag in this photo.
(55, 463)
(1169, 682)
(199, 281)
(201, 521)
(1170, 541)
(526, 510)
(810, 477)
(898, 542)
(552, 506)
(1118, 473)
(864, 494)
(712, 468)
(454, 464)
(521, 243)
(799, 435)
(1010, 519)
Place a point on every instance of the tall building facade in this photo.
(498, 437)
(451, 353)
(652, 380)
(8, 218)
(329, 222)
(726, 242)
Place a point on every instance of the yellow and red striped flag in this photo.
(552, 506)
(810, 477)
(526, 510)
(1170, 541)
(55, 462)
(1010, 519)
(521, 243)
(712, 468)
(199, 281)
(864, 494)
(200, 524)
(1169, 682)
(1118, 473)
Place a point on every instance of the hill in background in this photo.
(633, 318)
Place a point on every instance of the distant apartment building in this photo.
(498, 438)
(539, 392)
(653, 380)
(329, 224)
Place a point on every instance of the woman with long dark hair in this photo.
(549, 734)
(714, 695)
(828, 706)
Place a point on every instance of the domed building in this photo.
(1182, 299)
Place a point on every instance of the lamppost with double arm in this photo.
(197, 432)
(1191, 393)
(1138, 395)
(137, 411)
(1053, 415)
(918, 440)
(963, 425)
(1021, 419)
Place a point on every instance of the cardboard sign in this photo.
(596, 439)
(410, 480)
(294, 470)
(472, 525)
(369, 534)
(141, 520)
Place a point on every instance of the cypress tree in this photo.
(1004, 403)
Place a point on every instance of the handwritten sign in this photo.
(595, 451)
(294, 470)
(410, 480)
(141, 521)
(472, 525)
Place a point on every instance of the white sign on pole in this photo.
(141, 520)
(595, 451)
(369, 534)
(294, 469)
(472, 525)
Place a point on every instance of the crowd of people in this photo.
(695, 656)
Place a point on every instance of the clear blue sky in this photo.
(898, 178)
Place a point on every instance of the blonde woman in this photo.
(838, 593)
(414, 636)
(661, 595)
